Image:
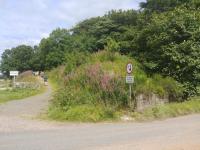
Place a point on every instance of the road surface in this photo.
(19, 130)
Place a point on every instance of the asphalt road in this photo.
(19, 131)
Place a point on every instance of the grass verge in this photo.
(169, 110)
(16, 94)
(84, 113)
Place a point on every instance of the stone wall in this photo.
(149, 100)
(31, 85)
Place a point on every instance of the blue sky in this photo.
(28, 21)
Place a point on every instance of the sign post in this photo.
(14, 74)
(129, 80)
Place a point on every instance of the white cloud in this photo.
(85, 9)
(27, 21)
(13, 43)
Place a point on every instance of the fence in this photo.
(8, 84)
(5, 84)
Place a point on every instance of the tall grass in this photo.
(82, 113)
(169, 110)
(97, 83)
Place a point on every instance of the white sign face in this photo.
(14, 73)
(129, 68)
(130, 79)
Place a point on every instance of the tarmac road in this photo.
(19, 131)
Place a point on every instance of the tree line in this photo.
(164, 36)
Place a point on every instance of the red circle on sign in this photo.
(129, 68)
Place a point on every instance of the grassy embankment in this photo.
(93, 88)
(20, 93)
(169, 110)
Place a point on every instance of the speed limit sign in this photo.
(129, 68)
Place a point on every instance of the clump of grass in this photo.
(84, 113)
(169, 110)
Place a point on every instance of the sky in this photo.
(28, 21)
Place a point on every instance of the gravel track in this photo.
(19, 130)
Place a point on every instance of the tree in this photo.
(6, 61)
(58, 43)
(18, 58)
(166, 5)
(112, 45)
(169, 45)
(36, 60)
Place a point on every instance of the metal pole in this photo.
(130, 91)
(14, 81)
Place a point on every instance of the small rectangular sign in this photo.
(14, 73)
(130, 79)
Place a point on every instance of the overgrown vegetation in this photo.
(169, 110)
(95, 90)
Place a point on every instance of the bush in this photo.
(112, 47)
(171, 87)
(160, 86)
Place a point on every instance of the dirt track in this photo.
(20, 131)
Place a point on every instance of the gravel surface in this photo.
(18, 115)
(30, 106)
(20, 131)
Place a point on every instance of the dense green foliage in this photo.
(163, 36)
(171, 46)
(166, 5)
(95, 89)
(17, 58)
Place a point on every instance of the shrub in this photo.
(111, 48)
(159, 85)
(172, 88)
